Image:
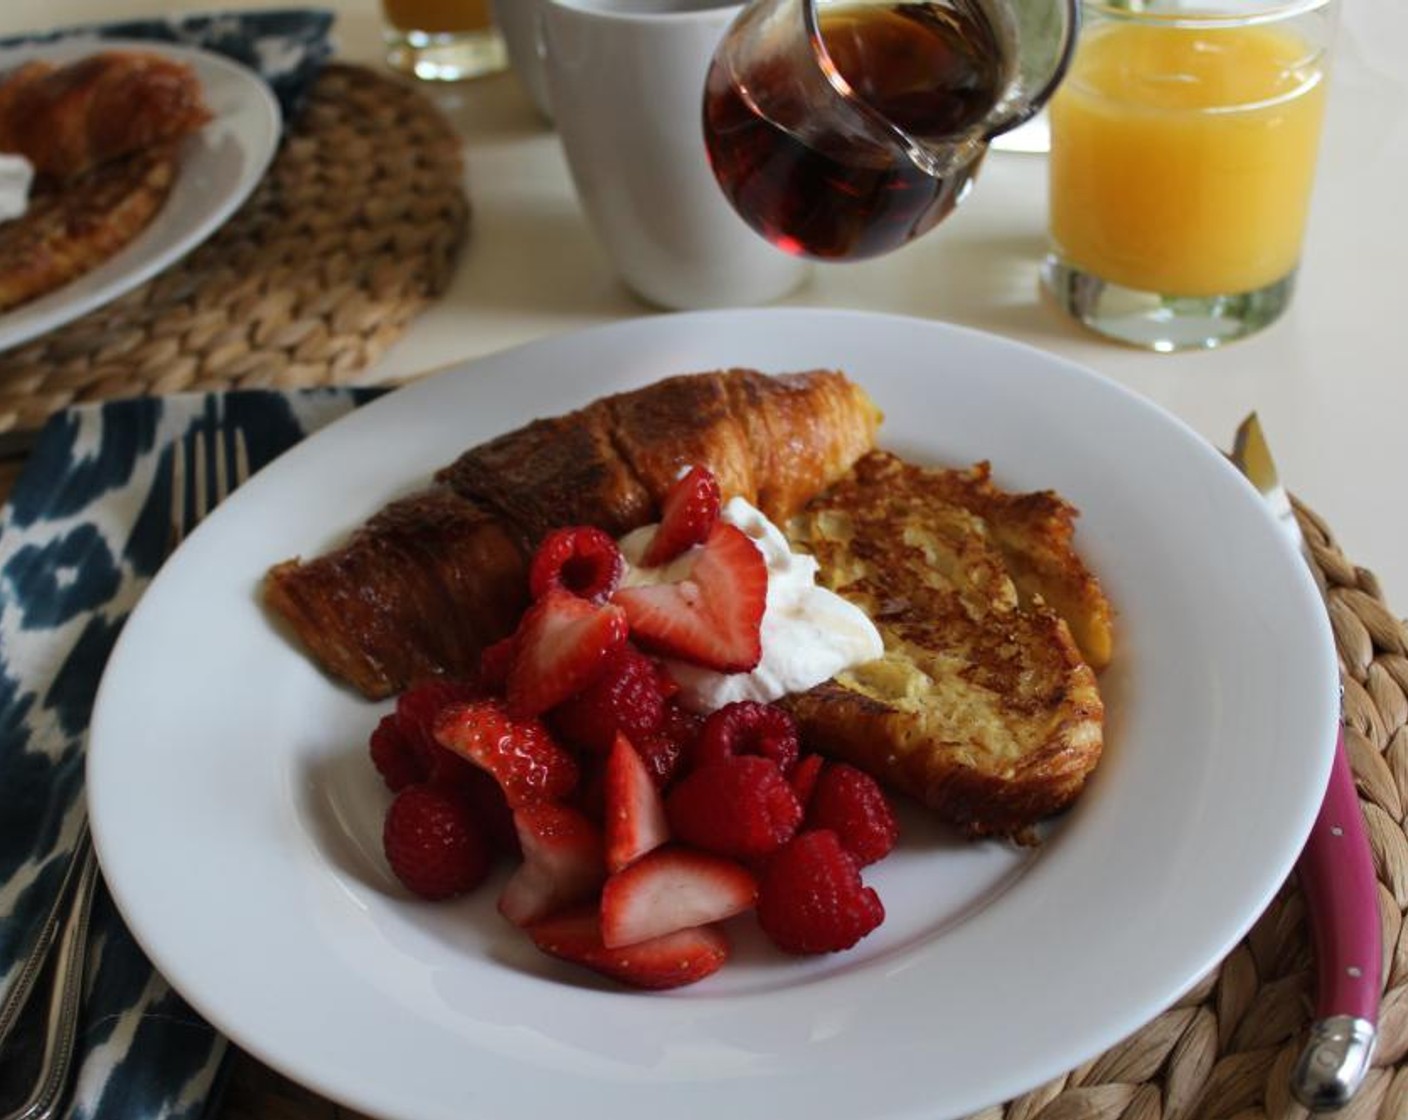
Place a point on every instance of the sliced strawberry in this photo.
(562, 863)
(672, 889)
(635, 814)
(687, 515)
(713, 616)
(562, 645)
(521, 754)
(662, 962)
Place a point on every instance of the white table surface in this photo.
(1329, 379)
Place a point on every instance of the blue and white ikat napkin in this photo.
(287, 47)
(85, 529)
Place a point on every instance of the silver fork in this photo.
(67, 922)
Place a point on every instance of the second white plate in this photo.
(220, 166)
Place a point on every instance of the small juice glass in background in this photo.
(1183, 151)
(442, 40)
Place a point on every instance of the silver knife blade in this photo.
(1335, 870)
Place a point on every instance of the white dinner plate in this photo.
(220, 165)
(238, 818)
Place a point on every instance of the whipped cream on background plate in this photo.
(16, 178)
(809, 633)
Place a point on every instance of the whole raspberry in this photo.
(740, 807)
(627, 698)
(748, 727)
(432, 842)
(666, 751)
(396, 759)
(582, 559)
(852, 804)
(811, 899)
(416, 711)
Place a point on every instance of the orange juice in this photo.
(437, 15)
(1182, 157)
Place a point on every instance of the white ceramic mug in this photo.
(520, 22)
(626, 85)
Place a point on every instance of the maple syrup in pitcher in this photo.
(842, 185)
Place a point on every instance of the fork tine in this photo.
(198, 468)
(241, 458)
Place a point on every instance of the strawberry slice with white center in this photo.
(662, 962)
(713, 616)
(687, 515)
(561, 646)
(672, 889)
(635, 813)
(562, 863)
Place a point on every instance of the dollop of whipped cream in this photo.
(809, 633)
(16, 177)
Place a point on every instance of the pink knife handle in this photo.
(1342, 897)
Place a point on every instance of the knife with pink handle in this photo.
(1336, 876)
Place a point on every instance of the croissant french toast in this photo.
(982, 706)
(68, 119)
(66, 233)
(427, 583)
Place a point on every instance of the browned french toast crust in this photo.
(982, 707)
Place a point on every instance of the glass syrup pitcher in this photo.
(843, 129)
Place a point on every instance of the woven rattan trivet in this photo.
(354, 229)
(1226, 1049)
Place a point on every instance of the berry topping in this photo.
(672, 889)
(748, 727)
(804, 776)
(662, 962)
(626, 699)
(851, 803)
(688, 513)
(664, 757)
(432, 842)
(713, 616)
(494, 661)
(418, 708)
(582, 560)
(522, 756)
(740, 807)
(562, 863)
(395, 757)
(635, 815)
(562, 645)
(811, 899)
(490, 808)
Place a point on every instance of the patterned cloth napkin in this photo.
(287, 47)
(84, 531)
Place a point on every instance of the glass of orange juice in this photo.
(442, 40)
(1183, 148)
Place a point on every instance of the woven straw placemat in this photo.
(353, 230)
(1225, 1050)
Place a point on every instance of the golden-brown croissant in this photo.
(68, 119)
(427, 583)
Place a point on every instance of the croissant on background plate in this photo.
(68, 119)
(433, 578)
